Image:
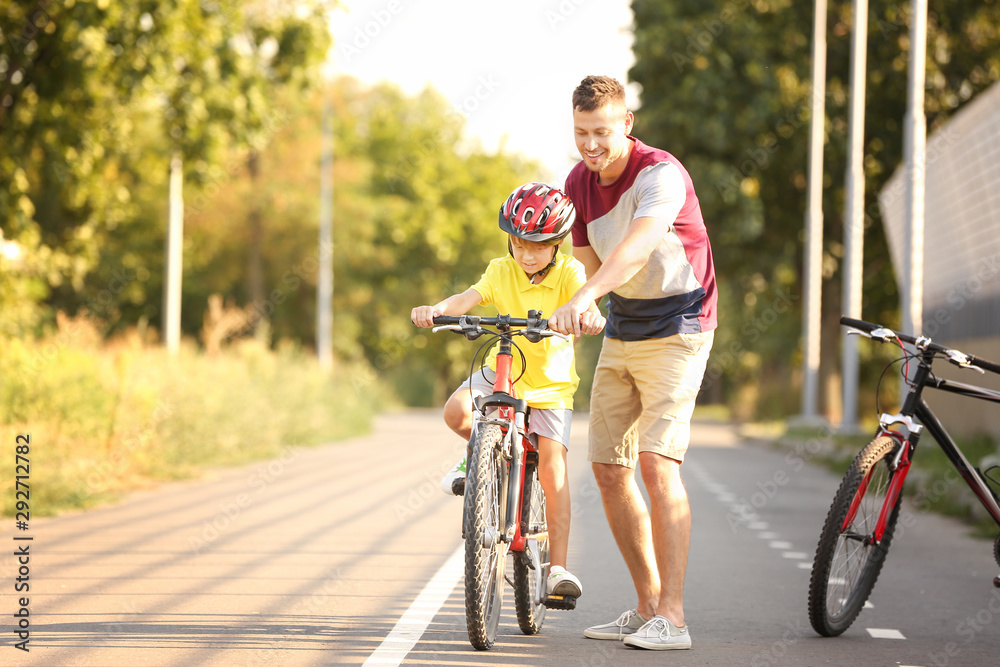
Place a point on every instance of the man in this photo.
(640, 235)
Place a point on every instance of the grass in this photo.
(104, 419)
(932, 484)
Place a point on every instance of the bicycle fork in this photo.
(899, 467)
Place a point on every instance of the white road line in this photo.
(767, 535)
(414, 621)
(780, 545)
(795, 555)
(883, 633)
(758, 525)
(805, 566)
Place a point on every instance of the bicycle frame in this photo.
(512, 410)
(915, 406)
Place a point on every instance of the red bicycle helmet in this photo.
(538, 212)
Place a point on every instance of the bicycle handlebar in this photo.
(884, 334)
(502, 320)
(471, 326)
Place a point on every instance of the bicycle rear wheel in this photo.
(529, 583)
(485, 553)
(847, 563)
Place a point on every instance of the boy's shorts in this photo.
(643, 396)
(553, 423)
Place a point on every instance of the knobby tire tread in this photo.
(483, 601)
(877, 450)
(530, 616)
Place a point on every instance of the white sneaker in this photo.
(626, 624)
(561, 582)
(659, 634)
(453, 482)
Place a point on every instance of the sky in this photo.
(509, 67)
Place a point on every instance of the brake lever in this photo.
(471, 334)
(961, 359)
(882, 334)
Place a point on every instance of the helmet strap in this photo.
(543, 272)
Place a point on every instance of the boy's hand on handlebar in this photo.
(423, 316)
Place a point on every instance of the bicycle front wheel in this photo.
(847, 562)
(529, 583)
(485, 553)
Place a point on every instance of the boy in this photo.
(534, 276)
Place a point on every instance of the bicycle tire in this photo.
(531, 615)
(846, 565)
(485, 552)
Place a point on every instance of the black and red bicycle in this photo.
(504, 503)
(859, 527)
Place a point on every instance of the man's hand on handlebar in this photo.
(591, 323)
(577, 317)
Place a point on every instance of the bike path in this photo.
(314, 557)
(757, 512)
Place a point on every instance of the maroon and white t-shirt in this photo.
(675, 292)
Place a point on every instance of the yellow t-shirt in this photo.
(550, 379)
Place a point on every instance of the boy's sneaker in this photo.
(454, 480)
(626, 625)
(659, 634)
(562, 582)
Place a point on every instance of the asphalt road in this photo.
(346, 553)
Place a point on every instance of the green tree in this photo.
(96, 96)
(726, 88)
(414, 220)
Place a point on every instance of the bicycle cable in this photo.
(493, 337)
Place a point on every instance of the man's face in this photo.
(601, 139)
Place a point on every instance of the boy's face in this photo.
(601, 137)
(531, 256)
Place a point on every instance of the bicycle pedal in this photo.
(996, 581)
(565, 602)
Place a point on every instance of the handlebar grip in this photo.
(985, 364)
(861, 325)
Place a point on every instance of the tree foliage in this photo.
(94, 98)
(726, 88)
(414, 218)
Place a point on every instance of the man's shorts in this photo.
(643, 396)
(553, 423)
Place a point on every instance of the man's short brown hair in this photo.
(595, 92)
